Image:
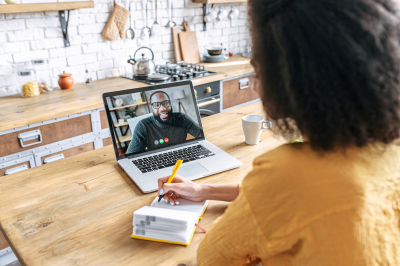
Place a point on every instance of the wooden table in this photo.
(78, 211)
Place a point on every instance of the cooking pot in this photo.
(142, 67)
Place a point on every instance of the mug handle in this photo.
(264, 127)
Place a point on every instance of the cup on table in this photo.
(252, 127)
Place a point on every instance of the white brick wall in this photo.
(26, 36)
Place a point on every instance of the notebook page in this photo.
(184, 205)
(162, 213)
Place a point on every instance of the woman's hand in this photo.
(186, 189)
(180, 187)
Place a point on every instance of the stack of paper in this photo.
(165, 223)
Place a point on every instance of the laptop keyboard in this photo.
(160, 161)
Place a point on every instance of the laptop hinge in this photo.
(163, 149)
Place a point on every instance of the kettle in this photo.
(142, 67)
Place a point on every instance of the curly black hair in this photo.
(329, 68)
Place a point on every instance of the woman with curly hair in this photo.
(327, 70)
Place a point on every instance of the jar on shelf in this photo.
(27, 82)
(43, 73)
(88, 78)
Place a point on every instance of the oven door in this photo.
(209, 106)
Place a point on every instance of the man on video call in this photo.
(164, 127)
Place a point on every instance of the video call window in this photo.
(154, 119)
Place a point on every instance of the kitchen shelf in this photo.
(126, 106)
(23, 8)
(121, 125)
(219, 1)
(125, 138)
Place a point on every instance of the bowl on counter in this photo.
(214, 51)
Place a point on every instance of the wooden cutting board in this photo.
(189, 46)
(175, 31)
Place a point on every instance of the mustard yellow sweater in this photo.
(299, 207)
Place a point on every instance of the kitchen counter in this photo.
(78, 211)
(16, 111)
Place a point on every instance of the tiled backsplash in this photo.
(26, 36)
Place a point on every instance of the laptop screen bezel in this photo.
(144, 89)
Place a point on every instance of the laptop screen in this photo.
(153, 118)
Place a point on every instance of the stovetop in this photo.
(170, 73)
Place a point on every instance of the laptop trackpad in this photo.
(191, 170)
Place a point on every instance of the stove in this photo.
(170, 73)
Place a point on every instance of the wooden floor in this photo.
(3, 242)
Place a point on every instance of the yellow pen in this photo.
(174, 171)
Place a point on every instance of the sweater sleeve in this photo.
(139, 141)
(232, 237)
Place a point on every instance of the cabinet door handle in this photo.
(244, 83)
(30, 135)
(53, 158)
(15, 169)
(213, 100)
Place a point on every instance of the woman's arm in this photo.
(232, 237)
(186, 189)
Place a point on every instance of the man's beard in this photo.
(169, 119)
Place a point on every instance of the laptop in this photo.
(154, 126)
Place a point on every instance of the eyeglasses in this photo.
(157, 105)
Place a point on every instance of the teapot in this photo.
(142, 67)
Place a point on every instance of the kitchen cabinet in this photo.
(16, 165)
(238, 91)
(50, 157)
(48, 141)
(41, 135)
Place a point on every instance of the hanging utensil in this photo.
(171, 23)
(130, 33)
(146, 30)
(155, 29)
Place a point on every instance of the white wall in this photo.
(27, 36)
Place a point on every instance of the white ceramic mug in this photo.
(210, 17)
(221, 14)
(252, 126)
(234, 13)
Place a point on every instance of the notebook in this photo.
(163, 222)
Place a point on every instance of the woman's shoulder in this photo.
(285, 154)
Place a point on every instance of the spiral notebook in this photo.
(163, 222)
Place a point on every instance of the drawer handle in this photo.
(213, 100)
(244, 83)
(53, 158)
(15, 169)
(208, 90)
(30, 136)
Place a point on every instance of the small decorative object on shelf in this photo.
(121, 121)
(28, 83)
(43, 88)
(10, 1)
(119, 102)
(65, 81)
(43, 73)
(88, 78)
